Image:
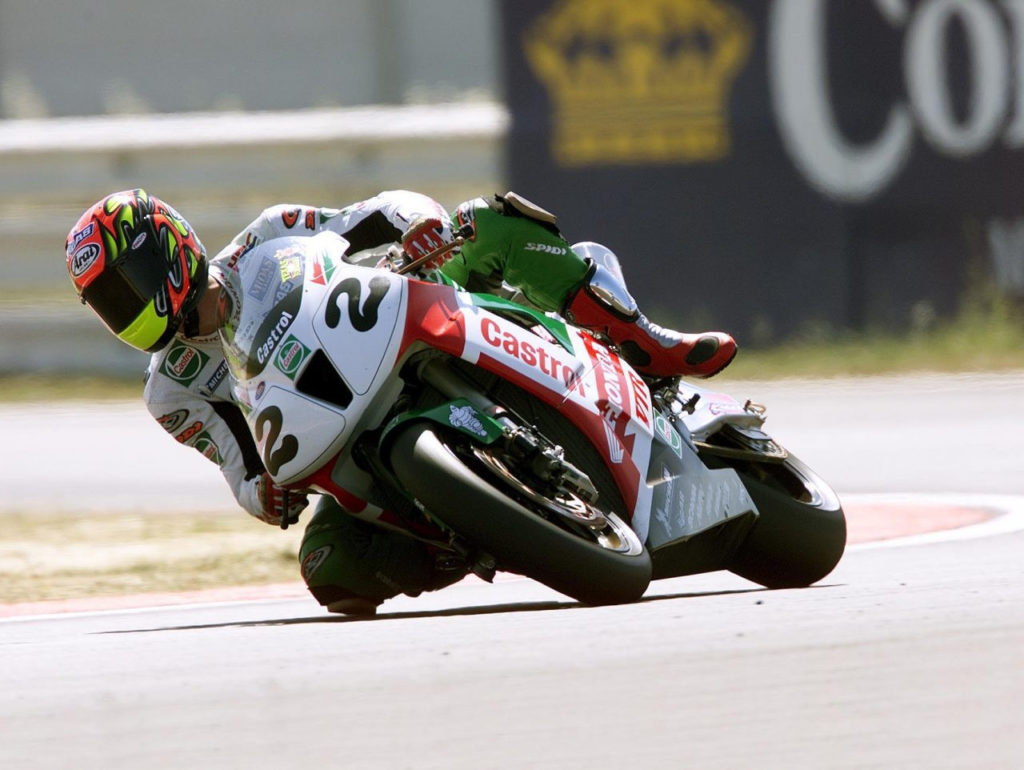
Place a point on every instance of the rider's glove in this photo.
(272, 501)
(427, 234)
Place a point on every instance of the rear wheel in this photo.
(562, 542)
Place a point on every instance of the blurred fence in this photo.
(220, 171)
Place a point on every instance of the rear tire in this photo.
(521, 540)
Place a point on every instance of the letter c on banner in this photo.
(797, 70)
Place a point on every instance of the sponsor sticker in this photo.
(464, 418)
(290, 356)
(218, 377)
(264, 277)
(531, 351)
(274, 335)
(189, 432)
(664, 429)
(84, 258)
(183, 363)
(291, 268)
(208, 448)
(724, 407)
(323, 268)
(82, 234)
(314, 560)
(171, 421)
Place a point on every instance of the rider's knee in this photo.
(344, 559)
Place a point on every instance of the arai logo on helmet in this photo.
(84, 258)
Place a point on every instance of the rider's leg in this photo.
(532, 256)
(352, 566)
(602, 303)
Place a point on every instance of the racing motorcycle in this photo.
(507, 438)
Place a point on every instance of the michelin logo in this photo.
(465, 418)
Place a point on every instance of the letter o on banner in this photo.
(930, 94)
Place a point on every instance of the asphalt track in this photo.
(910, 654)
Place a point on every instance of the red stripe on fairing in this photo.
(625, 473)
(611, 380)
(433, 316)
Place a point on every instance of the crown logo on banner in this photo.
(639, 81)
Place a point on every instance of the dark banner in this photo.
(775, 168)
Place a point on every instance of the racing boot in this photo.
(603, 304)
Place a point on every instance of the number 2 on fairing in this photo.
(361, 320)
(289, 448)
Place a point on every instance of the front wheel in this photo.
(612, 567)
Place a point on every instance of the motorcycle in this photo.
(507, 438)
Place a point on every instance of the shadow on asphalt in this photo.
(486, 609)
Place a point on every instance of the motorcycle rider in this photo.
(143, 270)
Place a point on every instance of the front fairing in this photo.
(311, 347)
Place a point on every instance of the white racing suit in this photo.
(188, 390)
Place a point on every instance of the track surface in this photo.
(906, 656)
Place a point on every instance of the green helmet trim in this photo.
(149, 331)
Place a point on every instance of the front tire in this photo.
(520, 539)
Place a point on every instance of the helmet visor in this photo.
(121, 293)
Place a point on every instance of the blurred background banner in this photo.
(778, 168)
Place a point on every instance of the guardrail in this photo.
(220, 171)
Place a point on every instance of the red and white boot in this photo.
(603, 304)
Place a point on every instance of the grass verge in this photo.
(987, 336)
(46, 557)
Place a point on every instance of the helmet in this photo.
(139, 265)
